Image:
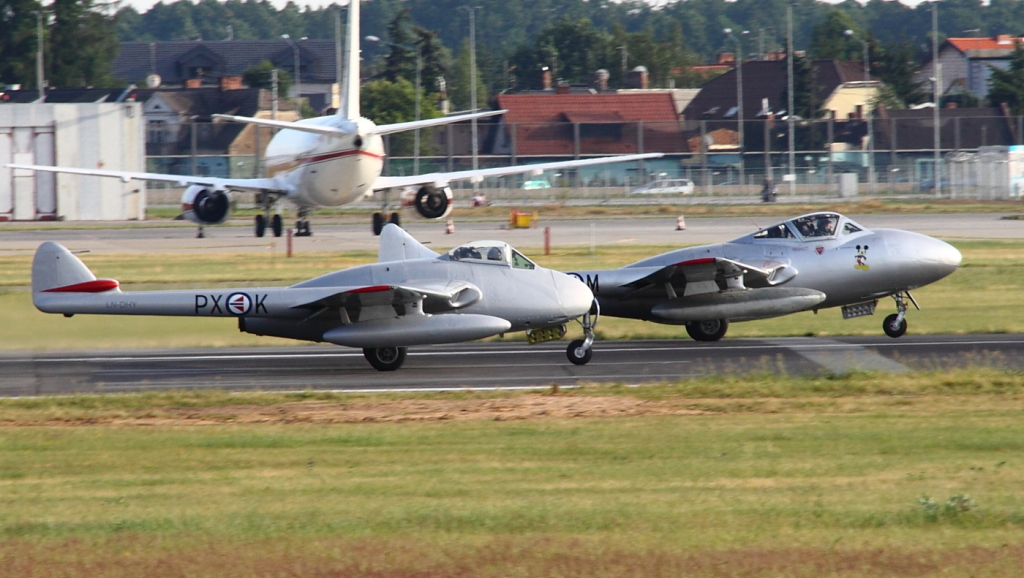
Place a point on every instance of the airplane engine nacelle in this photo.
(205, 206)
(433, 202)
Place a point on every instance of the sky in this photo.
(143, 5)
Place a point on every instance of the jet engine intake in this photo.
(433, 202)
(205, 206)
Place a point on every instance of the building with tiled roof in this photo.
(573, 124)
(967, 63)
(841, 89)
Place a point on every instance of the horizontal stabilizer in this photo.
(284, 124)
(744, 304)
(417, 330)
(427, 123)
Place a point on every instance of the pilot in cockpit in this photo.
(494, 254)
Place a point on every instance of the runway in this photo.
(152, 238)
(493, 365)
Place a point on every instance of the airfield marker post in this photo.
(289, 242)
(547, 240)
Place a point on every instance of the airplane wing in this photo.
(269, 184)
(412, 125)
(442, 179)
(436, 296)
(715, 270)
(342, 131)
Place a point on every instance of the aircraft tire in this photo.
(378, 224)
(712, 330)
(385, 358)
(572, 352)
(276, 225)
(395, 219)
(891, 331)
(261, 225)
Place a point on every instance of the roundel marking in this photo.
(239, 304)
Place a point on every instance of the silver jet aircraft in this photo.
(811, 262)
(412, 296)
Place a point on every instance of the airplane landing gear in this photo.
(710, 330)
(895, 325)
(580, 351)
(385, 358)
(276, 227)
(379, 221)
(302, 225)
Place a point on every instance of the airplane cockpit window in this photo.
(519, 261)
(780, 231)
(849, 228)
(819, 225)
(491, 252)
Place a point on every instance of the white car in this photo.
(665, 187)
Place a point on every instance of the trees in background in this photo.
(1008, 85)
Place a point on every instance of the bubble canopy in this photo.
(491, 253)
(808, 228)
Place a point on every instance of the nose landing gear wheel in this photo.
(261, 225)
(395, 219)
(378, 224)
(577, 354)
(711, 330)
(894, 326)
(385, 358)
(276, 225)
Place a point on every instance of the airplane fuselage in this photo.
(327, 170)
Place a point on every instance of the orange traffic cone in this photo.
(449, 227)
(680, 223)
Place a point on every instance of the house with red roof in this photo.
(967, 63)
(567, 124)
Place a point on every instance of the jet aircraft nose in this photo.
(925, 258)
(573, 294)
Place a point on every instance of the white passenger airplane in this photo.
(328, 161)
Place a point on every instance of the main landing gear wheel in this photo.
(378, 224)
(894, 326)
(385, 358)
(302, 225)
(261, 225)
(276, 225)
(710, 330)
(580, 351)
(395, 219)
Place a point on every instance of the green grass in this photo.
(985, 296)
(822, 481)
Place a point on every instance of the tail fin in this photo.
(350, 85)
(56, 270)
(397, 245)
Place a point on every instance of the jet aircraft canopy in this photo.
(490, 252)
(812, 227)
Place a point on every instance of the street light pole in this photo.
(868, 112)
(472, 85)
(936, 91)
(298, 78)
(739, 99)
(789, 112)
(40, 81)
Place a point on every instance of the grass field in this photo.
(771, 477)
(985, 296)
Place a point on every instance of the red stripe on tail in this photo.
(97, 286)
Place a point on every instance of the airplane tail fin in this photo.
(350, 84)
(397, 245)
(56, 270)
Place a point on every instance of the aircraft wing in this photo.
(415, 124)
(350, 129)
(284, 124)
(270, 184)
(442, 179)
(715, 269)
(436, 296)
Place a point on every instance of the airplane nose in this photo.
(945, 258)
(573, 294)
